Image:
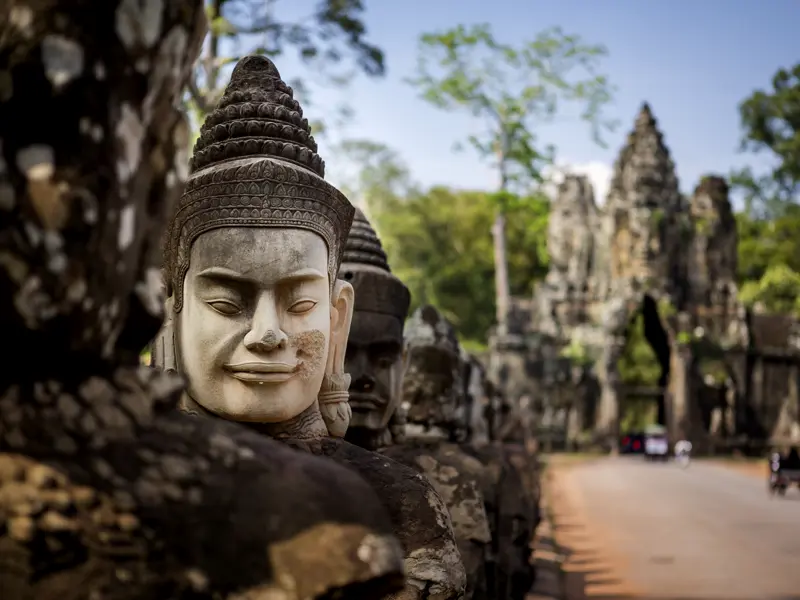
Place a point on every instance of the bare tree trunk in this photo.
(502, 292)
(501, 286)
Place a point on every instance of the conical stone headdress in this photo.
(365, 266)
(255, 165)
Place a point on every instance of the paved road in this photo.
(706, 532)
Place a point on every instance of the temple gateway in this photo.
(729, 376)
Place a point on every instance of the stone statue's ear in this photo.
(334, 395)
(342, 304)
(164, 354)
(406, 358)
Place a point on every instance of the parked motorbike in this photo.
(784, 471)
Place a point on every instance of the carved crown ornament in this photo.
(255, 165)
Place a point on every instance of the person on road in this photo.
(683, 450)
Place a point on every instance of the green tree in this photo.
(638, 367)
(768, 242)
(511, 90)
(332, 39)
(437, 240)
(439, 246)
(381, 175)
(777, 291)
(770, 122)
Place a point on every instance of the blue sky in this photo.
(693, 61)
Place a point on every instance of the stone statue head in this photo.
(433, 385)
(259, 322)
(375, 358)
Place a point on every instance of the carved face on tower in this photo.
(433, 385)
(260, 321)
(375, 349)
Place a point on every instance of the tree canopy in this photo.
(512, 90)
(770, 122)
(332, 39)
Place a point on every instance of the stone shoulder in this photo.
(420, 517)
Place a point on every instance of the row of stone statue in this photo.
(294, 442)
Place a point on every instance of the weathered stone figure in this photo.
(376, 361)
(105, 491)
(436, 390)
(435, 423)
(513, 496)
(258, 321)
(375, 358)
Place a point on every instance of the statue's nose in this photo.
(271, 340)
(265, 333)
(364, 383)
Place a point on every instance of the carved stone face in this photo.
(375, 361)
(432, 386)
(254, 333)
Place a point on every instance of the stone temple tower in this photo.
(643, 214)
(648, 251)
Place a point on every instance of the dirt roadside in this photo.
(574, 558)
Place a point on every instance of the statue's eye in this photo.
(384, 362)
(302, 307)
(225, 307)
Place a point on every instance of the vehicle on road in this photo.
(784, 470)
(656, 444)
(632, 443)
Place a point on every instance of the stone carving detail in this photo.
(485, 494)
(261, 320)
(375, 349)
(234, 187)
(106, 490)
(570, 234)
(255, 183)
(643, 207)
(713, 258)
(645, 240)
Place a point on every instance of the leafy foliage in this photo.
(770, 123)
(765, 242)
(381, 174)
(778, 290)
(439, 245)
(639, 364)
(330, 39)
(437, 239)
(512, 90)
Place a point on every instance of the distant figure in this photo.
(683, 451)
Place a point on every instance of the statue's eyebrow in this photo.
(223, 275)
(386, 345)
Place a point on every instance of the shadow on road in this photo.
(588, 572)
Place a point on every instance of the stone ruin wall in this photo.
(646, 239)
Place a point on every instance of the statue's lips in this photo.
(362, 401)
(262, 372)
